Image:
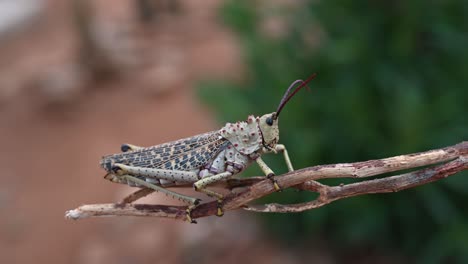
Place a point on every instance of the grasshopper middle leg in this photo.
(200, 186)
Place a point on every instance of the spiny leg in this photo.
(268, 172)
(126, 173)
(129, 147)
(137, 195)
(200, 186)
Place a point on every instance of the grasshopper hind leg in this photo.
(122, 175)
(137, 195)
(192, 202)
(129, 147)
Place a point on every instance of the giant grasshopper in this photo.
(203, 159)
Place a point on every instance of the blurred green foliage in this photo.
(392, 79)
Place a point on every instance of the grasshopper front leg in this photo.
(282, 148)
(128, 173)
(269, 172)
(200, 186)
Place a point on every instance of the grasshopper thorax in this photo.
(245, 136)
(254, 134)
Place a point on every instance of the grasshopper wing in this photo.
(183, 154)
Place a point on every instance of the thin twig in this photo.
(454, 159)
(397, 183)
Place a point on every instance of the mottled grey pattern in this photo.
(184, 154)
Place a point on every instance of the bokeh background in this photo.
(80, 77)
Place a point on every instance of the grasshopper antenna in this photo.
(287, 95)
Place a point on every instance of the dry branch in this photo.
(450, 160)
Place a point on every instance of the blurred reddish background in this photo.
(78, 78)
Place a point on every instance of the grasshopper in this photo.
(202, 159)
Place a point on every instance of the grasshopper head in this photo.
(269, 123)
(269, 127)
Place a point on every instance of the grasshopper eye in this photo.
(269, 121)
